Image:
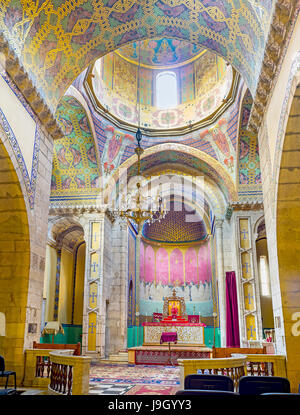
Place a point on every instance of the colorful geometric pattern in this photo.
(29, 177)
(75, 173)
(55, 40)
(201, 86)
(135, 375)
(175, 227)
(249, 162)
(156, 53)
(108, 389)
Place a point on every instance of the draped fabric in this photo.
(232, 315)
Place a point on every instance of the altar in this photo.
(187, 333)
(174, 320)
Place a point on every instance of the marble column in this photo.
(221, 280)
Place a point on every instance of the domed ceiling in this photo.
(201, 85)
(180, 225)
(162, 52)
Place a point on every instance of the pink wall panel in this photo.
(202, 263)
(142, 262)
(162, 266)
(176, 266)
(149, 264)
(208, 263)
(191, 266)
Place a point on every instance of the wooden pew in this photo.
(221, 352)
(75, 347)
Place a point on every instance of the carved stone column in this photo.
(221, 280)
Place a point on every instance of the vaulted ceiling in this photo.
(56, 40)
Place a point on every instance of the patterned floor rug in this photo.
(152, 390)
(162, 376)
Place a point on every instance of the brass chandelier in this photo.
(135, 205)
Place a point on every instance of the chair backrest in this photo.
(209, 382)
(2, 364)
(205, 392)
(257, 385)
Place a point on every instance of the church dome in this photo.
(177, 85)
(182, 224)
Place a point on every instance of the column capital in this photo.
(219, 223)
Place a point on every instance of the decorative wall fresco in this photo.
(188, 269)
(249, 179)
(55, 41)
(29, 175)
(75, 174)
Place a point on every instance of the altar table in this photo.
(167, 337)
(187, 333)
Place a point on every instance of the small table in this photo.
(168, 337)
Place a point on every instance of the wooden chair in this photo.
(6, 373)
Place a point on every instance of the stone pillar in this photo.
(57, 281)
(124, 284)
(221, 280)
(93, 325)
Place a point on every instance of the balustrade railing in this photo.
(69, 374)
(236, 366)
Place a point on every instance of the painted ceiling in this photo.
(202, 86)
(75, 173)
(249, 180)
(160, 53)
(169, 158)
(180, 225)
(56, 40)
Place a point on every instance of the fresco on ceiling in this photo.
(202, 87)
(55, 41)
(249, 162)
(75, 173)
(115, 144)
(160, 52)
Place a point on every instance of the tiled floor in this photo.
(108, 388)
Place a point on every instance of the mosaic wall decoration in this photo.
(75, 174)
(249, 162)
(56, 40)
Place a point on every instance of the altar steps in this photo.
(117, 358)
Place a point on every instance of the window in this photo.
(264, 276)
(166, 90)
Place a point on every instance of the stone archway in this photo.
(288, 234)
(14, 263)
